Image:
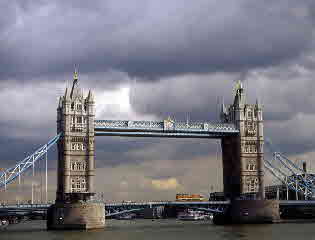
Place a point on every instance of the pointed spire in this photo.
(90, 96)
(60, 102)
(75, 80)
(67, 95)
(224, 113)
(223, 108)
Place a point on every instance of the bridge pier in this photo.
(76, 216)
(249, 212)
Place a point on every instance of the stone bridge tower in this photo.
(74, 208)
(75, 118)
(243, 169)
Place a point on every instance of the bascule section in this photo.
(74, 208)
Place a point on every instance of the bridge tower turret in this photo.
(76, 169)
(243, 155)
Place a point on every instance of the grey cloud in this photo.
(193, 51)
(286, 91)
(149, 39)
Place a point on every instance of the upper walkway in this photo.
(167, 128)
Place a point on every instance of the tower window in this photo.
(250, 114)
(246, 148)
(79, 119)
(79, 107)
(72, 106)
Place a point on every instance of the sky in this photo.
(147, 60)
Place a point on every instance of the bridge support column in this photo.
(80, 215)
(249, 211)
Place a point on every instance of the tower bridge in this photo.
(242, 139)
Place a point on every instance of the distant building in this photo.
(185, 197)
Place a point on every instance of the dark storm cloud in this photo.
(148, 39)
(286, 92)
(194, 50)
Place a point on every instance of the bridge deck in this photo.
(167, 128)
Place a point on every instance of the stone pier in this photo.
(80, 215)
(249, 212)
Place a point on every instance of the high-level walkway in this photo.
(167, 128)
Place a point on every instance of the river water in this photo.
(163, 230)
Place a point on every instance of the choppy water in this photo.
(163, 230)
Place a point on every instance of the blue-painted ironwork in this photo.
(118, 213)
(290, 181)
(167, 128)
(288, 172)
(10, 174)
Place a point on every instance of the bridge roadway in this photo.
(167, 128)
(23, 207)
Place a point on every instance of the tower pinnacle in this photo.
(75, 81)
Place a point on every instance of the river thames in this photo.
(163, 230)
